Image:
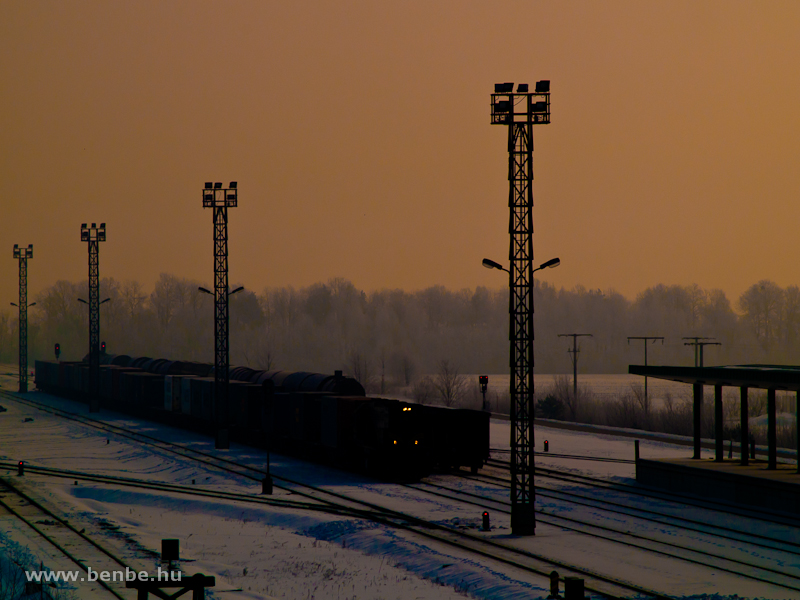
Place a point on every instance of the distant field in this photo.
(600, 385)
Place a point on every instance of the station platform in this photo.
(728, 481)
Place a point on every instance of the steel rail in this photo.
(635, 536)
(13, 489)
(717, 506)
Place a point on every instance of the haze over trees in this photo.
(392, 337)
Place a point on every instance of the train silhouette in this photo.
(323, 418)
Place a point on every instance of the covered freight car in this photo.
(325, 418)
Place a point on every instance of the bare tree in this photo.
(359, 367)
(562, 391)
(449, 383)
(423, 390)
(133, 297)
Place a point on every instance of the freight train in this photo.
(324, 418)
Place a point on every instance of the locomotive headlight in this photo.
(416, 442)
(395, 442)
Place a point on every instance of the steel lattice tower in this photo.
(520, 111)
(219, 199)
(94, 235)
(23, 254)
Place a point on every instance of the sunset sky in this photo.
(359, 134)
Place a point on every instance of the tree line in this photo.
(390, 337)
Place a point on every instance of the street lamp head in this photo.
(205, 291)
(82, 300)
(490, 264)
(550, 264)
(106, 300)
(31, 304)
(239, 289)
(13, 304)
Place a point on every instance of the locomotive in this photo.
(323, 418)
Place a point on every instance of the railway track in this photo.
(574, 456)
(598, 583)
(69, 542)
(720, 562)
(637, 490)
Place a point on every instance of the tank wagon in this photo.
(324, 418)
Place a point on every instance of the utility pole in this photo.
(520, 111)
(23, 254)
(574, 353)
(698, 344)
(219, 199)
(645, 338)
(94, 235)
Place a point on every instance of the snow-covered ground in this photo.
(271, 552)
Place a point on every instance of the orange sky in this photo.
(359, 134)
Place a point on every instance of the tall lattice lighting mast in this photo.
(23, 254)
(520, 111)
(94, 235)
(219, 199)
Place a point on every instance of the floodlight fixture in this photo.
(232, 185)
(539, 107)
(522, 88)
(209, 185)
(550, 264)
(543, 86)
(490, 264)
(218, 185)
(503, 88)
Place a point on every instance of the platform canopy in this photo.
(775, 377)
